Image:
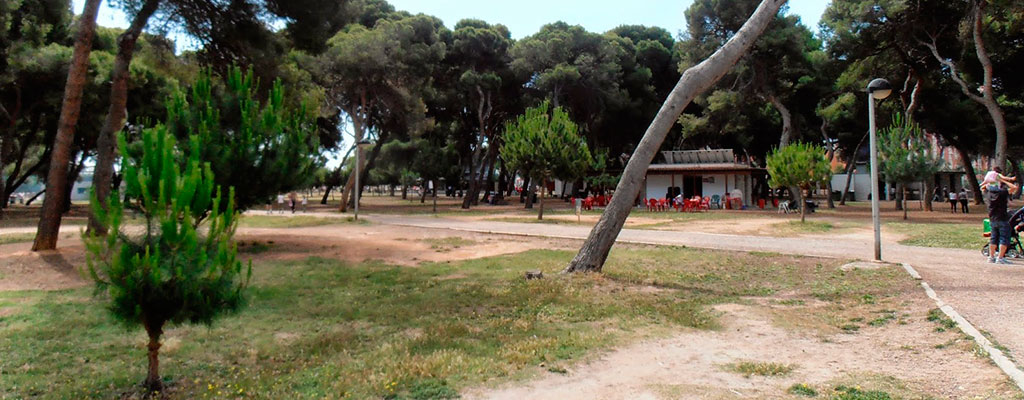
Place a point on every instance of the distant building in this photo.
(704, 173)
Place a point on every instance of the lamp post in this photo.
(359, 149)
(878, 89)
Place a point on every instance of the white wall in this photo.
(657, 185)
(718, 187)
(860, 187)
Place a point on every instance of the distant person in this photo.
(937, 195)
(280, 203)
(305, 202)
(998, 199)
(945, 193)
(292, 199)
(952, 201)
(963, 200)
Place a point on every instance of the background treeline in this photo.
(433, 100)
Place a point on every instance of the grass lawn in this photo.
(17, 237)
(320, 328)
(947, 235)
(299, 221)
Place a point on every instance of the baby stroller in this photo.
(1014, 250)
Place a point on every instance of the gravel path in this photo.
(989, 296)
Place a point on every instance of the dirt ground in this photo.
(901, 357)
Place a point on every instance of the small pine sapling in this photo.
(800, 165)
(180, 265)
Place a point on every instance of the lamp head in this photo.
(880, 88)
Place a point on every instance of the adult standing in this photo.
(953, 199)
(963, 201)
(998, 199)
(292, 199)
(280, 203)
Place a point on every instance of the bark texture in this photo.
(153, 382)
(787, 121)
(695, 80)
(850, 168)
(56, 179)
(103, 175)
(988, 97)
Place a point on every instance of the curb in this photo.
(1008, 367)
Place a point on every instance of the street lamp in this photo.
(359, 149)
(878, 89)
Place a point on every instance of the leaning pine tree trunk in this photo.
(694, 81)
(116, 114)
(56, 179)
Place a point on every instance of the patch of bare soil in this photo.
(391, 244)
(22, 269)
(692, 364)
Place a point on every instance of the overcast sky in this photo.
(525, 17)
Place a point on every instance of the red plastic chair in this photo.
(662, 204)
(588, 203)
(652, 204)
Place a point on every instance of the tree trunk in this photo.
(988, 97)
(927, 196)
(803, 208)
(831, 156)
(326, 193)
(694, 81)
(787, 120)
(405, 192)
(153, 382)
(905, 193)
(543, 187)
(423, 196)
(898, 200)
(117, 113)
(972, 177)
(34, 197)
(73, 173)
(56, 180)
(849, 170)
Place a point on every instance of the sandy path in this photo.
(989, 296)
(692, 364)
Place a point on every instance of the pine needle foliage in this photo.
(259, 148)
(180, 265)
(800, 165)
(544, 143)
(906, 157)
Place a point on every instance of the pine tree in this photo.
(180, 265)
(546, 144)
(905, 156)
(799, 165)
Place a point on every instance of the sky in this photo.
(525, 17)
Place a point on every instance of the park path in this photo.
(990, 297)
